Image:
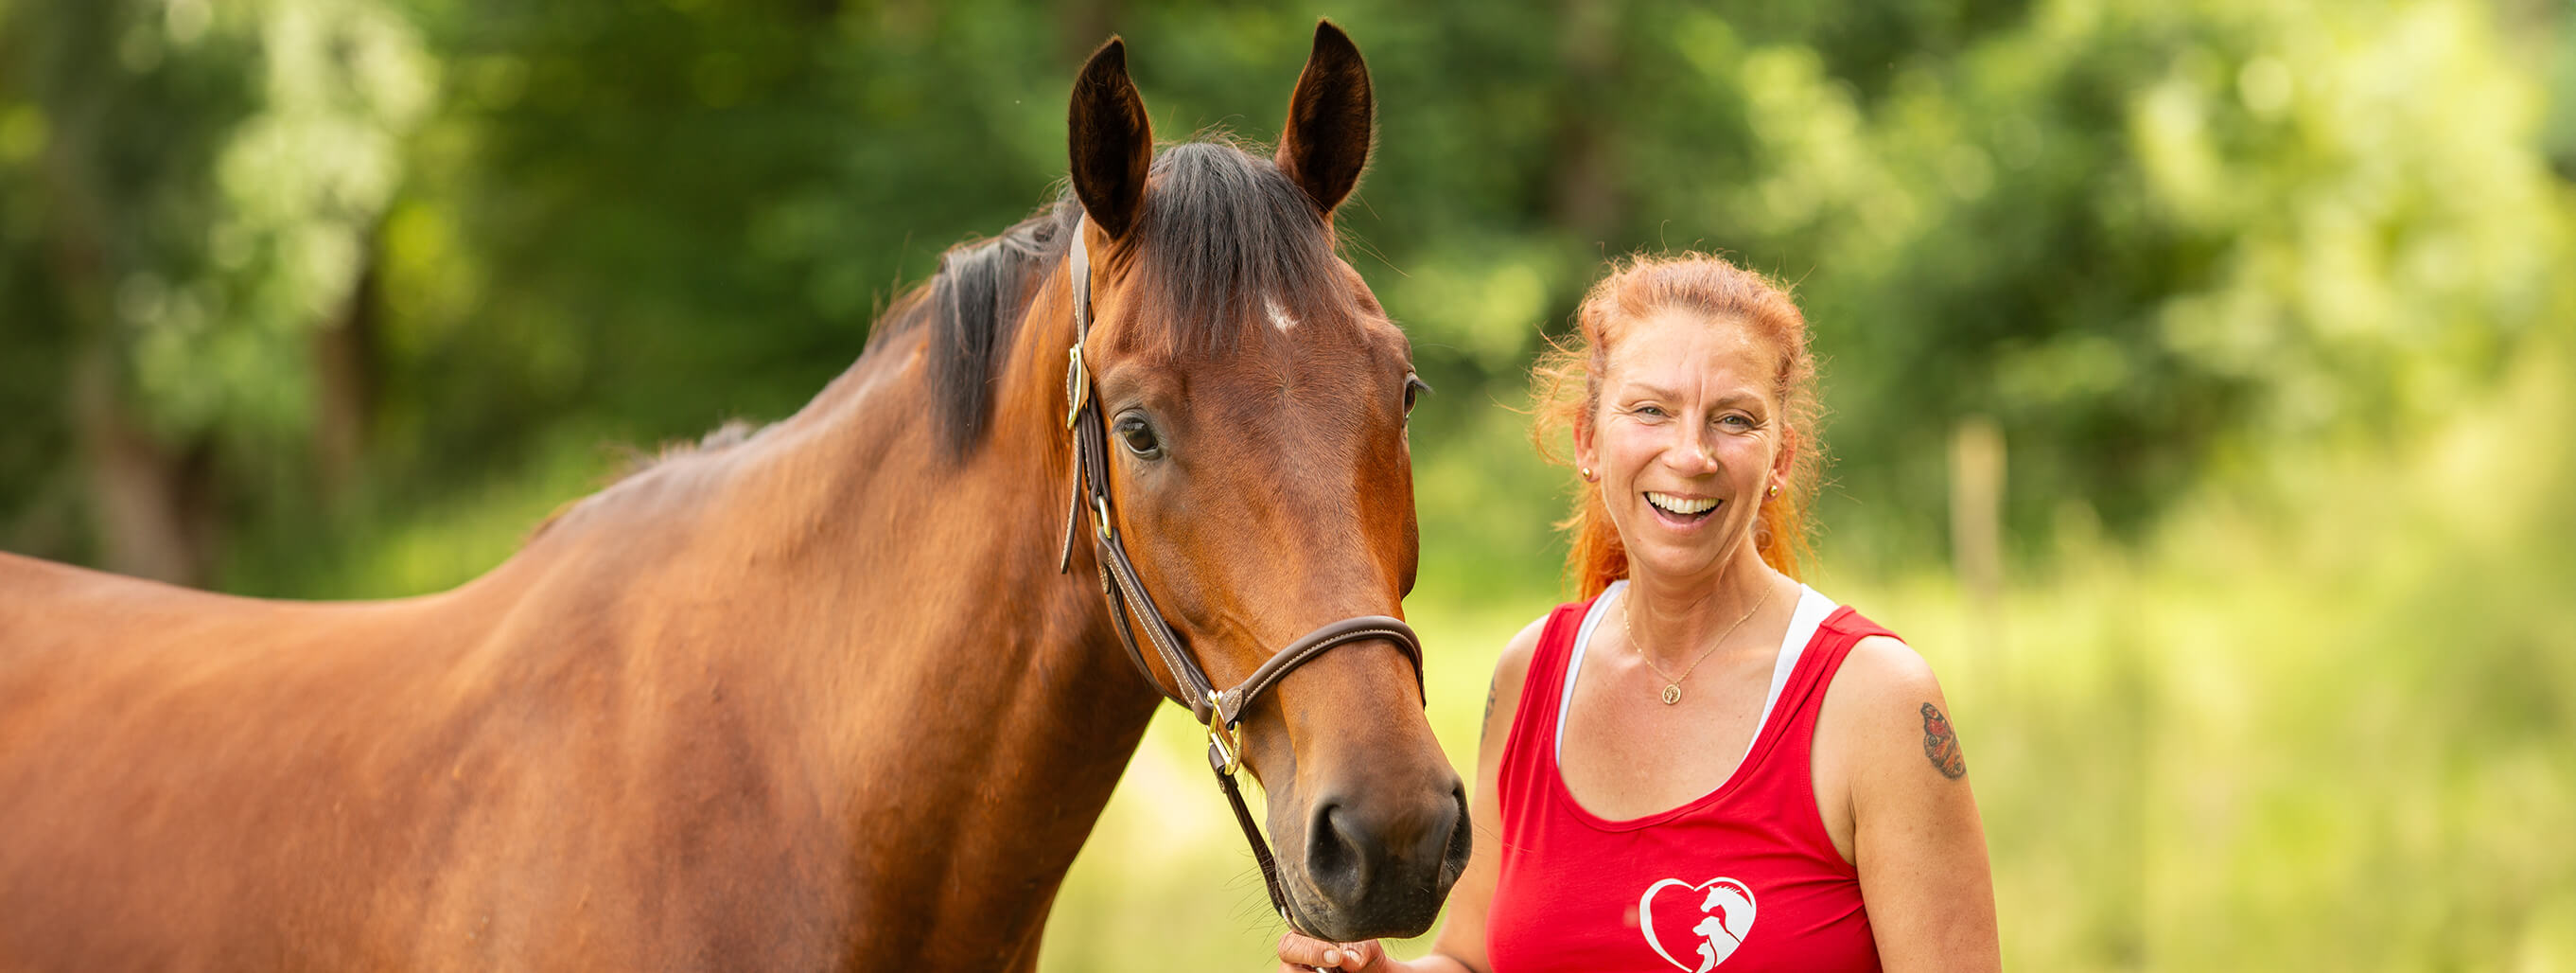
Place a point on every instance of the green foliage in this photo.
(193, 193)
(210, 175)
(2150, 240)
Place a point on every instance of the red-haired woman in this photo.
(1705, 765)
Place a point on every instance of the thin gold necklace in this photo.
(1673, 685)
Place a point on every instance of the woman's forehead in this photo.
(1675, 346)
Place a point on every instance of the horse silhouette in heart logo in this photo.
(1723, 918)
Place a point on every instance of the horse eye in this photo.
(1414, 387)
(1139, 438)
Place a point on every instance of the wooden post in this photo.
(1976, 525)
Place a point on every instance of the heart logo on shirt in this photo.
(1708, 920)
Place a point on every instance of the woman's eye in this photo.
(1650, 411)
(1414, 387)
(1139, 438)
(1735, 421)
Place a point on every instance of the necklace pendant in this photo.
(1672, 693)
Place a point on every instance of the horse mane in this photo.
(1222, 232)
(972, 306)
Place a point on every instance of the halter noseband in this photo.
(1220, 710)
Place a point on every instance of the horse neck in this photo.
(964, 694)
(850, 540)
(881, 537)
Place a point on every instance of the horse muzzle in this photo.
(1376, 863)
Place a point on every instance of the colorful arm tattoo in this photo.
(1941, 746)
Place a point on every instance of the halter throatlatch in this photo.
(1220, 710)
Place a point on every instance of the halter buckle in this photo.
(1227, 743)
(1077, 385)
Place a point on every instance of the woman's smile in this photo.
(1681, 511)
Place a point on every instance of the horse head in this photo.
(1254, 397)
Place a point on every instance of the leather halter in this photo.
(1220, 710)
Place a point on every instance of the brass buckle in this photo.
(1228, 744)
(1100, 507)
(1077, 385)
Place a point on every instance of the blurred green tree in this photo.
(2149, 240)
(194, 194)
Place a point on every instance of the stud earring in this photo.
(1587, 474)
(1775, 489)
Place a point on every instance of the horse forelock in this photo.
(1227, 247)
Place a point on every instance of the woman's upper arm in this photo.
(1462, 933)
(1915, 837)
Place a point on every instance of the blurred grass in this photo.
(2326, 720)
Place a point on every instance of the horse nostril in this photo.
(1453, 859)
(1337, 857)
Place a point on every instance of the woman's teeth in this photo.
(1678, 506)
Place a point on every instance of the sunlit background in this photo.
(2202, 372)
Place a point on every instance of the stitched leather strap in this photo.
(1128, 592)
(1231, 703)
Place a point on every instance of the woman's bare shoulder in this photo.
(1511, 669)
(1880, 665)
(1518, 652)
(1885, 709)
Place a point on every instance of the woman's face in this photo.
(1686, 440)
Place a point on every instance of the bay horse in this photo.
(823, 697)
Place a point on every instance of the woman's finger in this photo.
(1360, 956)
(1298, 952)
(1304, 953)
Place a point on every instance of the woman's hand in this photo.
(1299, 954)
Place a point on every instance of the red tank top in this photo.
(1742, 878)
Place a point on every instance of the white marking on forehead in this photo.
(1279, 316)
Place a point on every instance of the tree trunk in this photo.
(1584, 195)
(152, 505)
(343, 359)
(1082, 24)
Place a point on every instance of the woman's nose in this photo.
(1693, 454)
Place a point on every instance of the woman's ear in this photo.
(1786, 458)
(1587, 459)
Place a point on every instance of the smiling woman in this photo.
(1803, 804)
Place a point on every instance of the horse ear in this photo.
(1111, 141)
(1327, 141)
